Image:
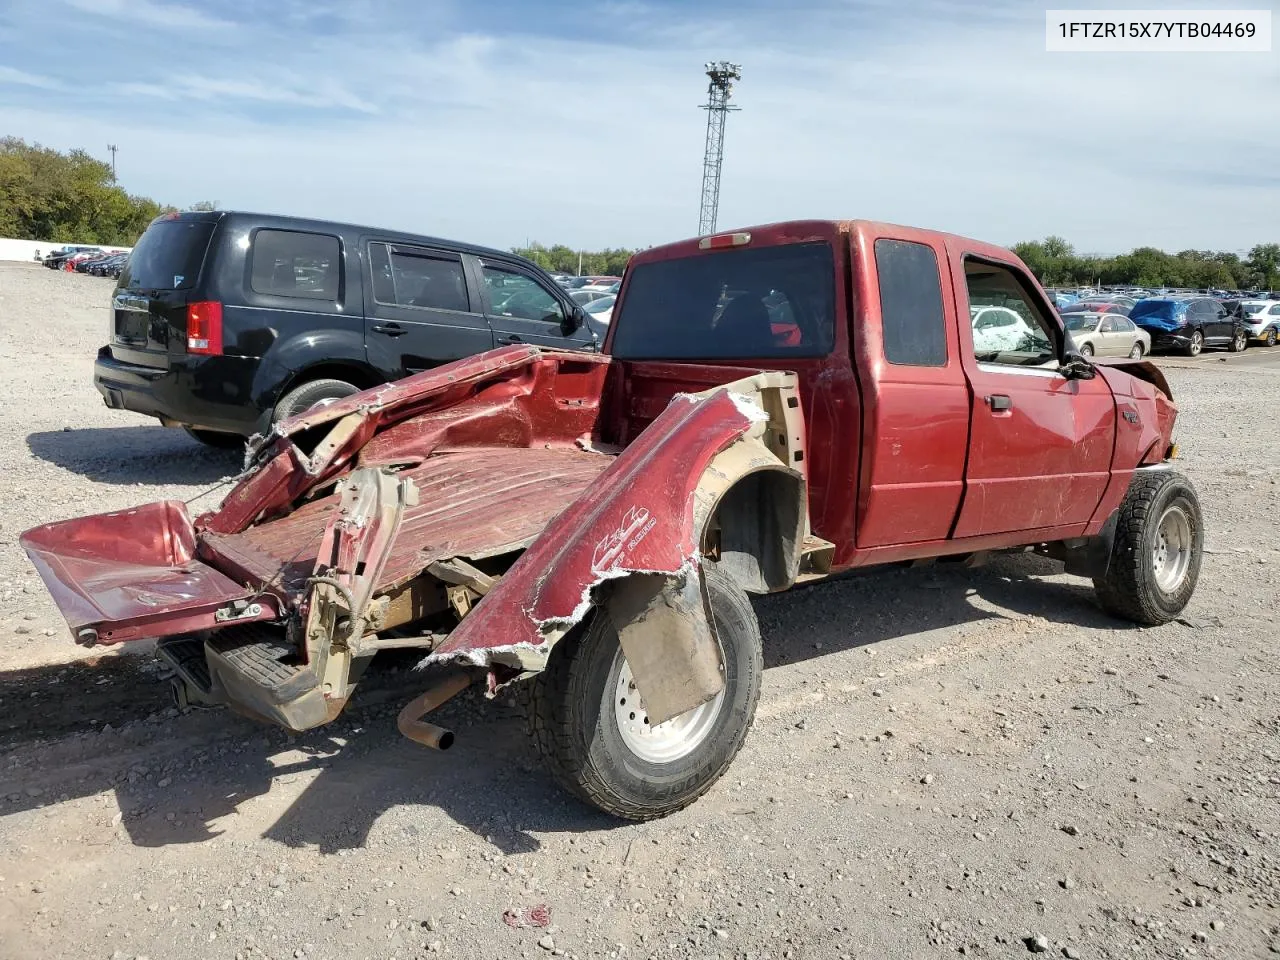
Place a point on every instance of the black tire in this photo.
(311, 394)
(1239, 342)
(571, 715)
(216, 438)
(1130, 588)
(1269, 338)
(1196, 344)
(1137, 352)
(1086, 350)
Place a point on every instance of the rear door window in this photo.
(168, 256)
(911, 304)
(421, 278)
(289, 263)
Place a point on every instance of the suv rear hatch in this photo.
(149, 308)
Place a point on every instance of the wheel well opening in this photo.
(756, 531)
(353, 373)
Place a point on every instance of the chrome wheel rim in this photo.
(1240, 341)
(1196, 342)
(1171, 552)
(665, 742)
(1136, 352)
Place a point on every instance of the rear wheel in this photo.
(216, 438)
(1136, 352)
(589, 721)
(1155, 560)
(1086, 350)
(316, 393)
(1269, 338)
(1196, 344)
(1239, 340)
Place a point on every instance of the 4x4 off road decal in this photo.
(610, 549)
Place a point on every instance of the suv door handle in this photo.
(512, 338)
(999, 401)
(390, 329)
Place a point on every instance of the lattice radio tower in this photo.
(722, 74)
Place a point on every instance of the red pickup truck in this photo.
(773, 405)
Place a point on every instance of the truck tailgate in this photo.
(115, 573)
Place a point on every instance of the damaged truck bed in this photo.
(771, 406)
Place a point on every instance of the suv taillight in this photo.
(204, 328)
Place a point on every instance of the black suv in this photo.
(224, 323)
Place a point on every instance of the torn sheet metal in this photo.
(639, 517)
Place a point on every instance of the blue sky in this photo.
(577, 122)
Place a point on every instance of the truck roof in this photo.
(799, 231)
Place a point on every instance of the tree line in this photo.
(72, 197)
(1056, 264)
(67, 197)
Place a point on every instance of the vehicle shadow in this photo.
(884, 604)
(177, 776)
(151, 455)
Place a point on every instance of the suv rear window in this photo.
(1160, 309)
(168, 255)
(288, 263)
(735, 304)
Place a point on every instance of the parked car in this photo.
(584, 295)
(1107, 335)
(996, 329)
(56, 259)
(1098, 306)
(224, 323)
(601, 310)
(108, 266)
(1189, 324)
(593, 525)
(1261, 320)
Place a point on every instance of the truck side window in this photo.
(911, 304)
(1024, 337)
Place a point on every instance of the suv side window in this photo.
(912, 322)
(1028, 339)
(424, 278)
(289, 263)
(1274, 311)
(512, 294)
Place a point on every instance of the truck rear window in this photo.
(167, 256)
(736, 304)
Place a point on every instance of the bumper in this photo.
(1169, 339)
(213, 393)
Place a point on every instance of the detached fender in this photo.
(645, 515)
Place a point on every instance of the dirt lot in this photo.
(943, 761)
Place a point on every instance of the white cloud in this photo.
(148, 12)
(22, 78)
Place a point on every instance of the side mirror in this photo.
(1075, 366)
(576, 318)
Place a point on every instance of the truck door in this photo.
(916, 419)
(420, 313)
(1039, 444)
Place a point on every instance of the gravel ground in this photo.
(943, 762)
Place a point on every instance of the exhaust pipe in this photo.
(410, 721)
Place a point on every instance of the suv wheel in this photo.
(216, 438)
(316, 393)
(1196, 344)
(1269, 338)
(1155, 560)
(589, 723)
(1239, 340)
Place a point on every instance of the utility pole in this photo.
(722, 74)
(112, 147)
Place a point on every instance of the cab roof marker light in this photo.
(723, 240)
